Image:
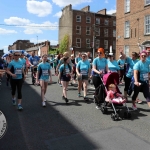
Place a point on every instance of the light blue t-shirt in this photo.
(77, 59)
(113, 66)
(143, 68)
(64, 69)
(23, 61)
(83, 67)
(121, 63)
(130, 63)
(17, 68)
(100, 64)
(148, 58)
(44, 69)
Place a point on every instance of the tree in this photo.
(64, 44)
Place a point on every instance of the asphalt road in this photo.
(75, 126)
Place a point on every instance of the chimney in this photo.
(103, 11)
(86, 9)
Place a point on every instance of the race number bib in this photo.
(34, 62)
(145, 77)
(83, 72)
(45, 72)
(18, 71)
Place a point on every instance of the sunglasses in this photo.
(16, 55)
(99, 53)
(143, 56)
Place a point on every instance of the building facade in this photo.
(20, 45)
(132, 26)
(40, 48)
(87, 30)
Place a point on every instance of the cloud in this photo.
(58, 14)
(41, 9)
(31, 28)
(16, 21)
(106, 1)
(111, 11)
(62, 3)
(4, 31)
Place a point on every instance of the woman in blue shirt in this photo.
(43, 74)
(65, 76)
(16, 71)
(141, 77)
(83, 71)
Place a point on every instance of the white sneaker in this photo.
(43, 104)
(45, 99)
(134, 107)
(97, 107)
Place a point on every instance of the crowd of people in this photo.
(80, 69)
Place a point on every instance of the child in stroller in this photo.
(113, 96)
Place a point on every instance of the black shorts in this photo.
(65, 78)
(84, 77)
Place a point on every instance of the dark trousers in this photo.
(144, 87)
(121, 74)
(127, 83)
(96, 82)
(16, 83)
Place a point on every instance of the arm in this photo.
(50, 74)
(136, 77)
(9, 72)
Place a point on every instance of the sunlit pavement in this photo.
(75, 126)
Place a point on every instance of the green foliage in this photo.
(63, 47)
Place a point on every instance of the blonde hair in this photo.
(66, 54)
(111, 86)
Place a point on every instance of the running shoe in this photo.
(63, 97)
(45, 99)
(14, 102)
(97, 107)
(79, 94)
(20, 107)
(86, 99)
(134, 107)
(60, 85)
(43, 104)
(66, 100)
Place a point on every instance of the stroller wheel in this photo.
(114, 117)
(103, 109)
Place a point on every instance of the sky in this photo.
(38, 20)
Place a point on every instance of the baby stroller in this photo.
(113, 78)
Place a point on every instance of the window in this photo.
(97, 20)
(78, 29)
(78, 43)
(88, 19)
(114, 33)
(127, 29)
(147, 24)
(106, 22)
(147, 2)
(97, 44)
(88, 30)
(105, 44)
(126, 50)
(114, 44)
(97, 31)
(114, 23)
(87, 43)
(105, 32)
(78, 18)
(127, 6)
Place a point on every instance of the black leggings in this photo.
(127, 83)
(144, 87)
(16, 83)
(96, 82)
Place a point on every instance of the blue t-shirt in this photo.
(148, 58)
(77, 59)
(130, 63)
(143, 68)
(64, 69)
(121, 63)
(17, 68)
(44, 69)
(83, 67)
(23, 61)
(113, 66)
(100, 64)
(34, 60)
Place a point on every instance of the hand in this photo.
(37, 81)
(137, 83)
(14, 75)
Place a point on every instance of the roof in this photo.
(34, 48)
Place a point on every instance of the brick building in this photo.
(20, 45)
(87, 30)
(132, 25)
(43, 46)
